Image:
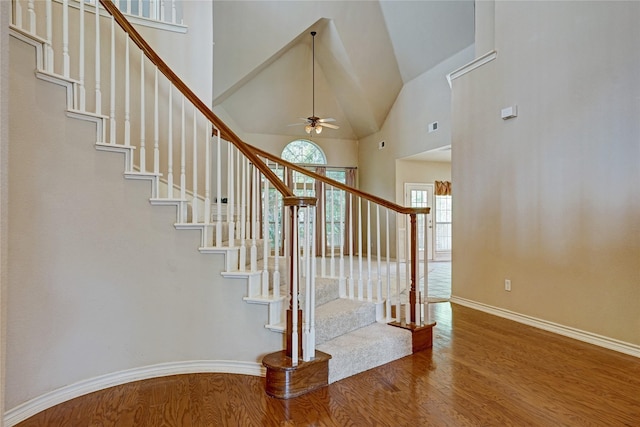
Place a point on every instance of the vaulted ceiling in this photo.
(365, 52)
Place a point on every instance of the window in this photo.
(443, 223)
(304, 152)
(169, 11)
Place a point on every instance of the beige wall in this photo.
(5, 11)
(551, 199)
(423, 100)
(87, 298)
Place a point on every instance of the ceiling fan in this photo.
(315, 123)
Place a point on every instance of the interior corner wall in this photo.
(550, 199)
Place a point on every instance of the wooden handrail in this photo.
(225, 131)
(382, 202)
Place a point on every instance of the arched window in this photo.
(304, 152)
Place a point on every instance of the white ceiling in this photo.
(365, 52)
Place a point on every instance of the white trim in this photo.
(476, 63)
(567, 331)
(47, 400)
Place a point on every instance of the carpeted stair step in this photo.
(364, 349)
(342, 316)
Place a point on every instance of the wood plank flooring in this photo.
(482, 371)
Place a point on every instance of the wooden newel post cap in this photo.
(299, 201)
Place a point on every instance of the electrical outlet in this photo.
(507, 285)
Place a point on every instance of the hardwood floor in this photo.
(482, 370)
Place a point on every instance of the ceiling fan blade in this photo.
(330, 126)
(329, 119)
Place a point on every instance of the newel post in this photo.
(294, 312)
(299, 368)
(417, 320)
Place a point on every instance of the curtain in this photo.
(350, 180)
(443, 188)
(320, 212)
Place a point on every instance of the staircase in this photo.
(343, 310)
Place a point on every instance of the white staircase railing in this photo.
(234, 193)
(354, 246)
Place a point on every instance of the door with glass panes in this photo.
(418, 196)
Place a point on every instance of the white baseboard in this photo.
(55, 397)
(580, 335)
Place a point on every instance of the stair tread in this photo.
(342, 316)
(365, 348)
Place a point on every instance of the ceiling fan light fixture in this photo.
(314, 122)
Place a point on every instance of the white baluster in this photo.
(162, 11)
(230, 197)
(112, 99)
(254, 214)
(183, 163)
(247, 206)
(32, 16)
(351, 232)
(81, 89)
(65, 38)
(239, 195)
(276, 240)
(243, 224)
(265, 238)
(128, 7)
(370, 246)
(219, 190)
(97, 61)
(143, 152)
(312, 311)
(140, 8)
(323, 228)
(332, 269)
(156, 130)
(18, 9)
(173, 11)
(388, 302)
(127, 93)
(207, 175)
(49, 30)
(379, 281)
(170, 146)
(398, 317)
(360, 278)
(407, 265)
(342, 283)
(194, 201)
(426, 267)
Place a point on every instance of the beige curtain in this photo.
(443, 188)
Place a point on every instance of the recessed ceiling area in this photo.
(365, 52)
